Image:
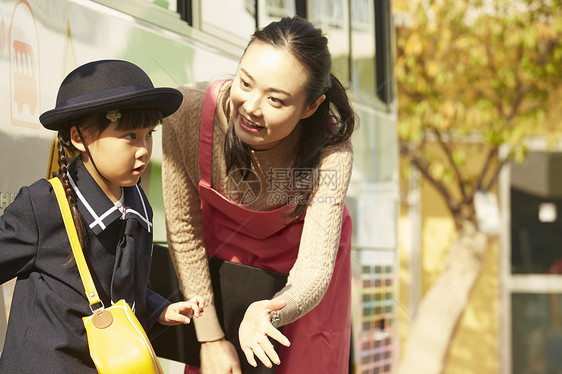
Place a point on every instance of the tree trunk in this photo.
(441, 308)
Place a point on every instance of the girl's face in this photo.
(268, 97)
(120, 156)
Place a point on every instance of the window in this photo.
(536, 326)
(363, 47)
(536, 197)
(233, 20)
(531, 264)
(332, 16)
(166, 4)
(273, 10)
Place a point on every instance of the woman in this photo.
(268, 191)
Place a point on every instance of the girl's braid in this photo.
(69, 192)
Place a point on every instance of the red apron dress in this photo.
(320, 340)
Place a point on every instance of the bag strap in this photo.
(87, 280)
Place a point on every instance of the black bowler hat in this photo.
(106, 85)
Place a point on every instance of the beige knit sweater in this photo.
(310, 276)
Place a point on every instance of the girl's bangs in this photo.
(139, 119)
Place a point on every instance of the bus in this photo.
(183, 41)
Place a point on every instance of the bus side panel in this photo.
(40, 43)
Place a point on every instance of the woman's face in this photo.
(268, 97)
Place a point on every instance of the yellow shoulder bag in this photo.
(116, 339)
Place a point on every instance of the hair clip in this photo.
(332, 127)
(113, 115)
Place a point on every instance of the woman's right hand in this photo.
(219, 357)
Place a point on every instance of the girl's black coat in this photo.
(45, 330)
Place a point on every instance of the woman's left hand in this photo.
(255, 330)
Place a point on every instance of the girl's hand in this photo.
(219, 357)
(255, 329)
(182, 312)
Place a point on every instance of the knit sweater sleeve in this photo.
(312, 272)
(180, 178)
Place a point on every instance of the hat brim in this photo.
(166, 99)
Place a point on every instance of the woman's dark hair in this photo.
(94, 124)
(334, 120)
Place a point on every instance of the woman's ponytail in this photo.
(342, 120)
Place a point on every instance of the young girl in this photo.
(261, 180)
(106, 111)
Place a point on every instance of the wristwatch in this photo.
(275, 318)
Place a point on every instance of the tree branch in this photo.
(477, 185)
(449, 154)
(494, 71)
(521, 91)
(496, 174)
(418, 162)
